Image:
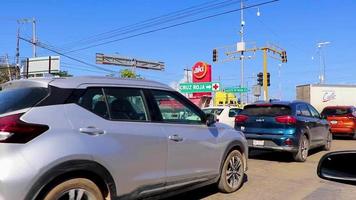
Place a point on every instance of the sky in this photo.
(294, 25)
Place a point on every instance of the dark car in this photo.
(342, 120)
(293, 127)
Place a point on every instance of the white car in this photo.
(225, 114)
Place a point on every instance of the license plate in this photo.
(258, 142)
(333, 122)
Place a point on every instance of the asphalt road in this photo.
(276, 176)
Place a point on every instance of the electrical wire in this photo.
(42, 45)
(171, 26)
(163, 19)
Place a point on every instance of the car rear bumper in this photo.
(342, 130)
(272, 142)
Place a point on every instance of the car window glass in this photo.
(302, 110)
(174, 110)
(20, 98)
(126, 104)
(337, 111)
(314, 112)
(216, 111)
(93, 100)
(266, 110)
(234, 111)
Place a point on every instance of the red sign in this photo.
(201, 73)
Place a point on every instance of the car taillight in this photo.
(288, 142)
(240, 118)
(286, 119)
(13, 130)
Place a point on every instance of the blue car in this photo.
(294, 127)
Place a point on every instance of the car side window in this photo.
(93, 100)
(302, 110)
(126, 104)
(314, 112)
(233, 112)
(174, 110)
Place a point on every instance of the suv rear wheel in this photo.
(78, 188)
(232, 173)
(303, 150)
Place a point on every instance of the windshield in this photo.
(336, 111)
(269, 110)
(16, 99)
(216, 111)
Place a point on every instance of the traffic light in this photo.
(260, 79)
(268, 79)
(284, 56)
(215, 55)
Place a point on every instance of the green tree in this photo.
(126, 73)
(63, 74)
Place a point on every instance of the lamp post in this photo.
(320, 47)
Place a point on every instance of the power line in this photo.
(193, 10)
(42, 45)
(171, 26)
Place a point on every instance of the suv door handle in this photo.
(175, 138)
(90, 130)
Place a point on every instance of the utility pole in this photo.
(18, 47)
(320, 46)
(187, 70)
(8, 67)
(265, 86)
(34, 37)
(242, 42)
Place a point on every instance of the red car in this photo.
(342, 119)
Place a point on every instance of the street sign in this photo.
(127, 62)
(236, 90)
(199, 87)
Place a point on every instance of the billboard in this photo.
(41, 65)
(201, 73)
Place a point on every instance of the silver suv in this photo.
(96, 138)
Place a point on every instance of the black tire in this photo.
(302, 154)
(354, 136)
(232, 172)
(328, 142)
(76, 187)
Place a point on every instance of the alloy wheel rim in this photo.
(328, 142)
(76, 194)
(233, 172)
(304, 148)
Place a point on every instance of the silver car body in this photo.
(137, 158)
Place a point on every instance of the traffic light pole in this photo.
(265, 86)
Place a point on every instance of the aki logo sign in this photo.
(200, 69)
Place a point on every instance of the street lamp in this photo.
(320, 46)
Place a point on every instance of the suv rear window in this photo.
(336, 111)
(266, 110)
(20, 98)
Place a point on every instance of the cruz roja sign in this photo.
(199, 87)
(236, 90)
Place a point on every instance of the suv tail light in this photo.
(286, 119)
(240, 118)
(13, 130)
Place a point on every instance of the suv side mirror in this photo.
(322, 116)
(338, 166)
(210, 119)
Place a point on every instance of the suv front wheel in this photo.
(78, 188)
(232, 173)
